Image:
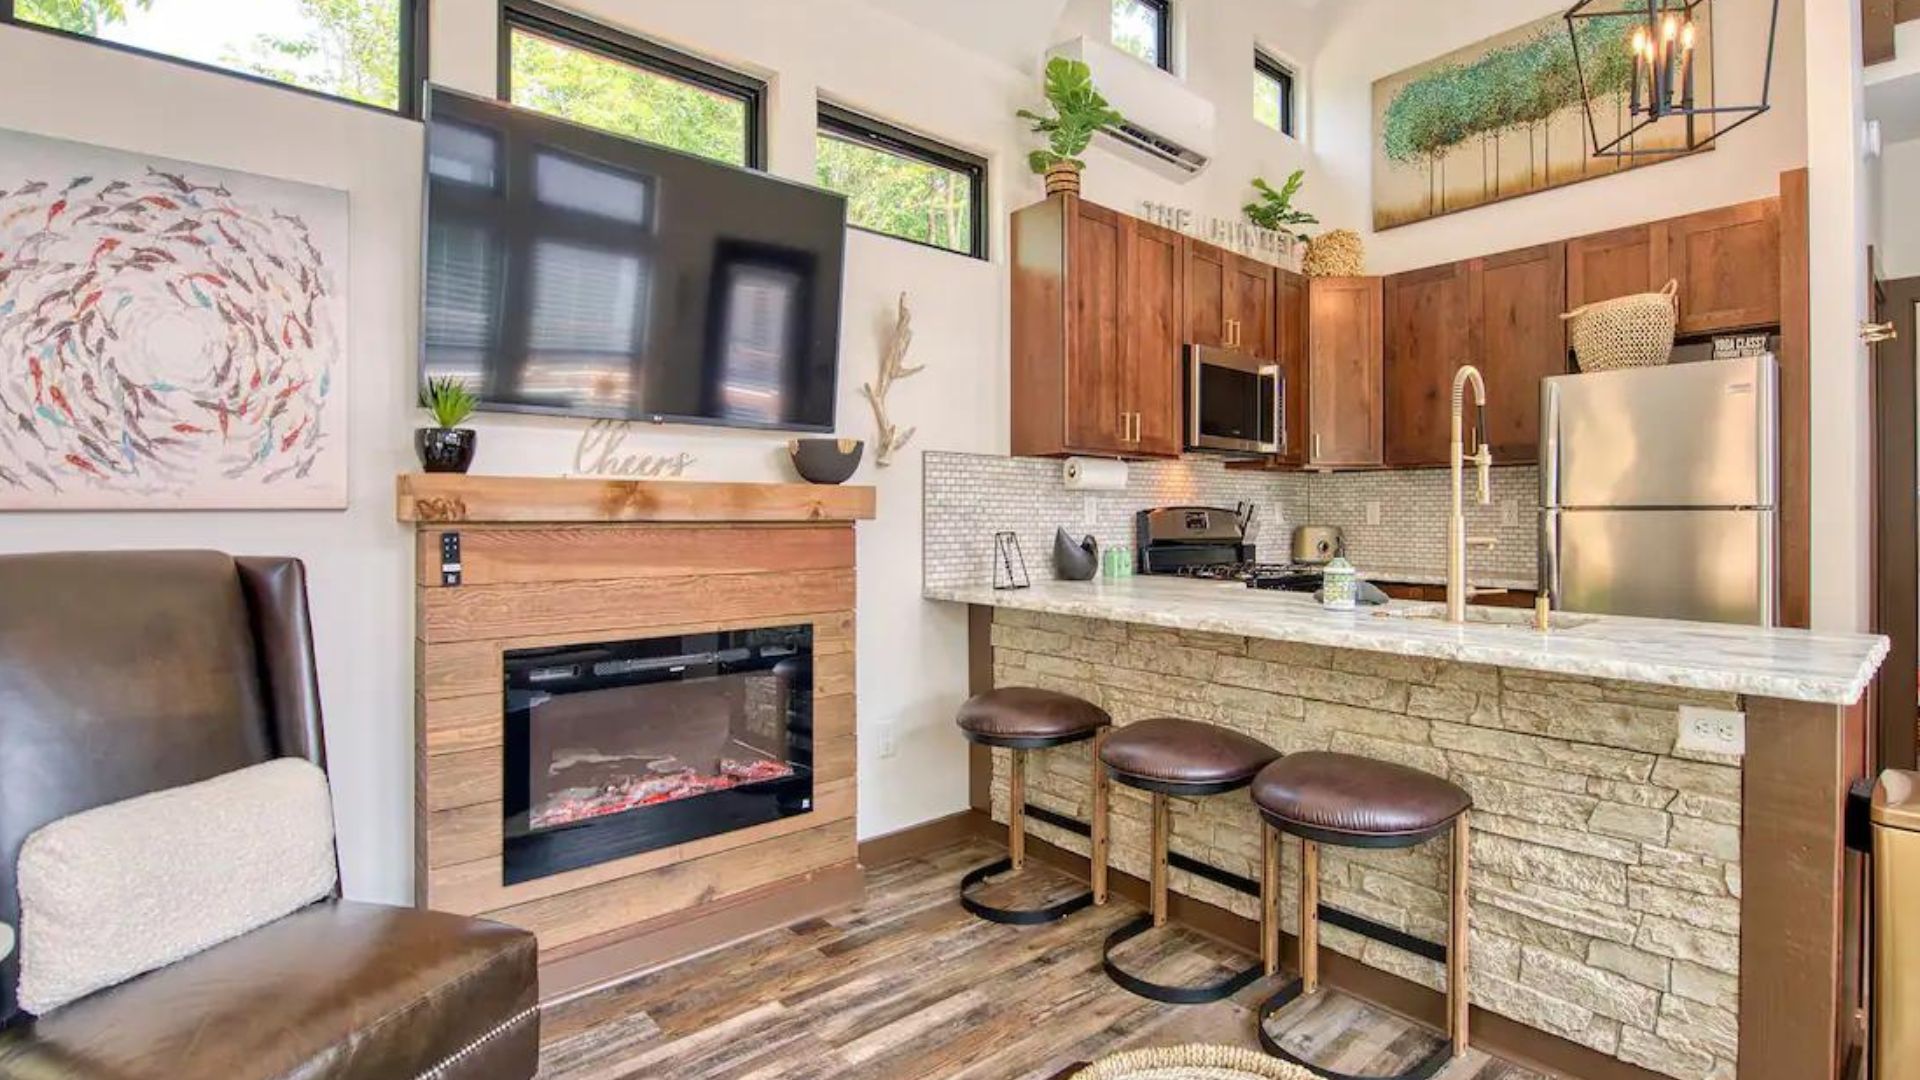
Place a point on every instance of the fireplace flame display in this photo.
(659, 780)
(619, 748)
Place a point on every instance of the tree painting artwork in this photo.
(171, 335)
(1505, 118)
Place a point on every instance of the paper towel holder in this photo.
(1093, 474)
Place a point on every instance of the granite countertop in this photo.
(1794, 665)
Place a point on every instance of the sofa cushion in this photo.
(111, 892)
(334, 991)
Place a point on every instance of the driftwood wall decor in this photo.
(893, 367)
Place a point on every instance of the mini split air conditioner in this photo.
(1169, 127)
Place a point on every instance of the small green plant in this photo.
(449, 400)
(1078, 112)
(1275, 210)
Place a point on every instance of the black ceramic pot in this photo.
(446, 449)
(825, 461)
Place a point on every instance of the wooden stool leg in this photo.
(1457, 937)
(1017, 808)
(1099, 852)
(1160, 838)
(1309, 916)
(1270, 899)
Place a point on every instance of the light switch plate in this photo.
(1090, 510)
(889, 745)
(1509, 513)
(1373, 513)
(1713, 731)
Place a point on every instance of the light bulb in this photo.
(1670, 29)
(1641, 45)
(1687, 35)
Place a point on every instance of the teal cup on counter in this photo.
(1116, 563)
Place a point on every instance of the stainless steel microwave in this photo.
(1235, 403)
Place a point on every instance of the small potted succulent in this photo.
(446, 447)
(1078, 112)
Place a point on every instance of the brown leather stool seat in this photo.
(1019, 719)
(1356, 801)
(1349, 801)
(1028, 718)
(1170, 757)
(1184, 757)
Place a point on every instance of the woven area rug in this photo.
(1192, 1063)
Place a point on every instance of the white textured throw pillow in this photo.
(125, 888)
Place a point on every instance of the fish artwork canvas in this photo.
(172, 335)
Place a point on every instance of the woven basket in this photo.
(1627, 332)
(1192, 1063)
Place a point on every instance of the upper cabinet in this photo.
(1429, 334)
(1343, 369)
(1098, 317)
(1726, 261)
(1230, 300)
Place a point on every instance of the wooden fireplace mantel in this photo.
(548, 562)
(452, 498)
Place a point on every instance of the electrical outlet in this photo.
(1509, 513)
(889, 746)
(1373, 513)
(1089, 510)
(1712, 731)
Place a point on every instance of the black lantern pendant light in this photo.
(1649, 53)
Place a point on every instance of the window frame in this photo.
(414, 55)
(838, 121)
(1268, 66)
(587, 35)
(1163, 32)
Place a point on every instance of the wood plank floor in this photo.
(911, 986)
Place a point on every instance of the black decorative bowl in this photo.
(825, 461)
(446, 449)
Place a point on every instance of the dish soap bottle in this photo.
(1338, 584)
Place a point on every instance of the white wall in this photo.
(1896, 230)
(1371, 39)
(912, 653)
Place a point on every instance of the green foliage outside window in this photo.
(602, 92)
(1136, 29)
(75, 16)
(897, 195)
(351, 49)
(1266, 100)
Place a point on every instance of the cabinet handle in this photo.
(1316, 446)
(1136, 429)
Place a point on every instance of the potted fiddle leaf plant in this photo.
(446, 447)
(1078, 112)
(1274, 209)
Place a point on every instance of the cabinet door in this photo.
(1429, 334)
(1610, 264)
(1250, 306)
(1728, 265)
(1096, 394)
(1152, 329)
(1207, 291)
(1344, 352)
(1518, 298)
(1290, 336)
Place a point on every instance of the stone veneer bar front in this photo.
(1606, 886)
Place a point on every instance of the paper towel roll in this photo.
(1094, 474)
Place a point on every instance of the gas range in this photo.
(1210, 544)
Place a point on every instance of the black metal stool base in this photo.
(1288, 994)
(1016, 916)
(1171, 995)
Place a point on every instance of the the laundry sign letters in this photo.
(1232, 234)
(599, 454)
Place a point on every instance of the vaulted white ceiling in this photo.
(1013, 32)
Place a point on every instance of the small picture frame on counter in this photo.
(1009, 564)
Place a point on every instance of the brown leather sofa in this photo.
(130, 672)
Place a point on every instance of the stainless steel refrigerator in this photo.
(1658, 491)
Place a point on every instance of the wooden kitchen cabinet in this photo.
(1291, 307)
(1230, 300)
(1343, 370)
(1500, 313)
(1726, 261)
(1098, 315)
(1430, 332)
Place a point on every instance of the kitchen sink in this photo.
(1511, 618)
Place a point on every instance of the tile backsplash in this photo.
(969, 497)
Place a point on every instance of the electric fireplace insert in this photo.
(618, 748)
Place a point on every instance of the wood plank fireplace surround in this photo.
(673, 611)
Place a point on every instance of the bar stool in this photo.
(1019, 719)
(1349, 801)
(1171, 757)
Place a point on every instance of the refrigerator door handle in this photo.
(1549, 444)
(1550, 555)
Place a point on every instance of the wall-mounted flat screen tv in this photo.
(572, 271)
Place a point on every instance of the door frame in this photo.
(1896, 525)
